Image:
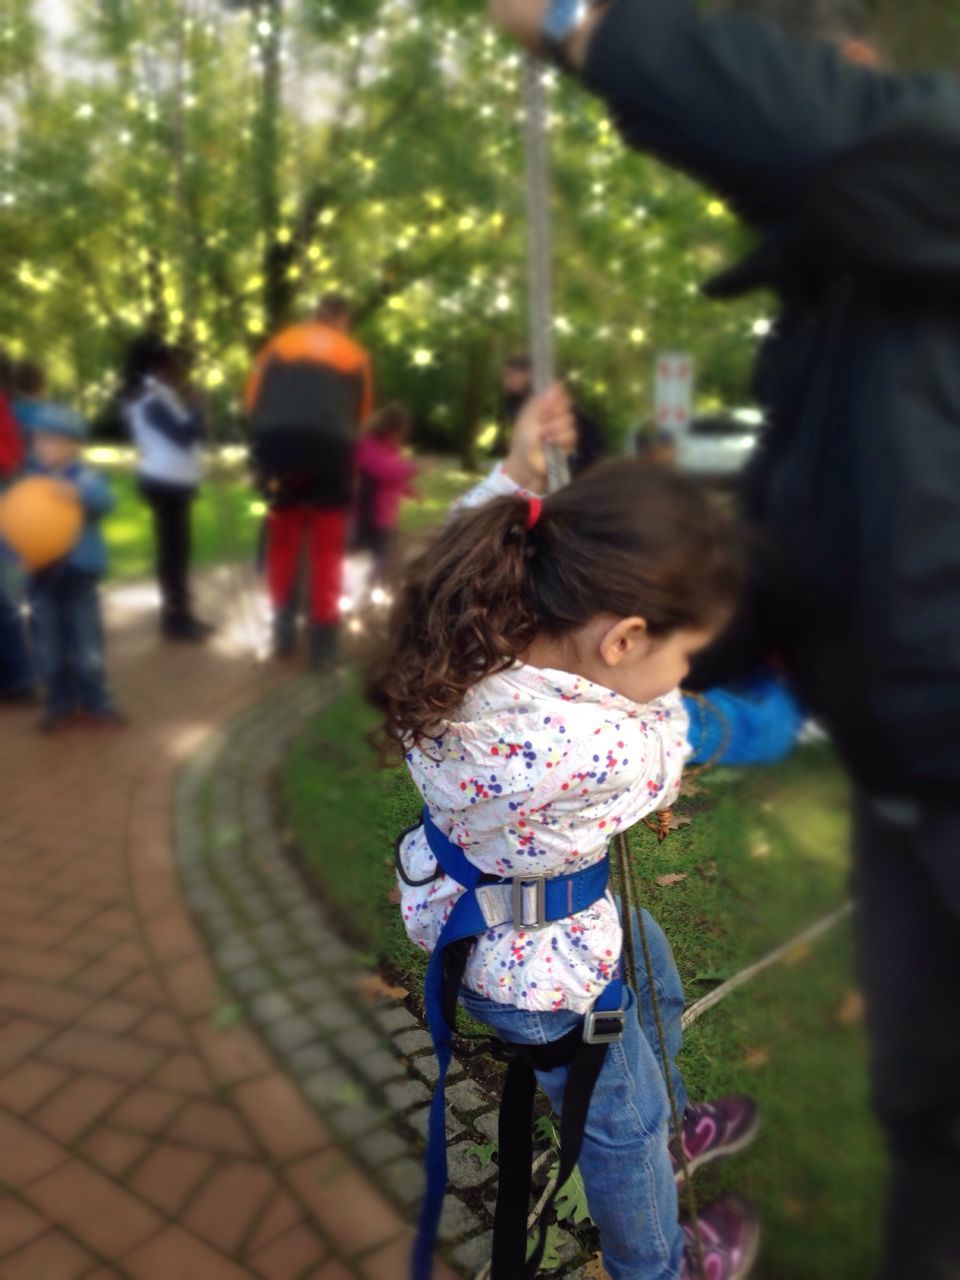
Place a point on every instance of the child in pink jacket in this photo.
(385, 478)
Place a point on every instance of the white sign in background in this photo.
(673, 404)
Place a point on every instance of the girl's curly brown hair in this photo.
(624, 539)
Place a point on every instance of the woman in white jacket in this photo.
(168, 433)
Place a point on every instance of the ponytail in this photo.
(464, 613)
(624, 539)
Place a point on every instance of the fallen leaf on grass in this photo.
(545, 1130)
(484, 1152)
(551, 1252)
(393, 896)
(594, 1270)
(675, 877)
(851, 1010)
(708, 870)
(690, 786)
(758, 1057)
(572, 1201)
(677, 822)
(371, 987)
(798, 954)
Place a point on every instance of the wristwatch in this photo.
(560, 21)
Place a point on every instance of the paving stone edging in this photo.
(368, 1068)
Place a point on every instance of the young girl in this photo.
(531, 682)
(385, 479)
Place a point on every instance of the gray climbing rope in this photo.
(539, 255)
(539, 249)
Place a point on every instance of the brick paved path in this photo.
(137, 1138)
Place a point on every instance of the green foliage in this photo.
(552, 1258)
(485, 1152)
(572, 1204)
(545, 1130)
(210, 169)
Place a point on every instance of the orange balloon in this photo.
(40, 521)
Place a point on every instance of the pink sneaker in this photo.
(715, 1129)
(730, 1236)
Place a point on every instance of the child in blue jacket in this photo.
(66, 628)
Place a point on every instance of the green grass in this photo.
(346, 813)
(439, 484)
(764, 855)
(225, 524)
(227, 517)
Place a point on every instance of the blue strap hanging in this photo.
(528, 904)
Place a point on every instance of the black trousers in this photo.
(907, 872)
(170, 505)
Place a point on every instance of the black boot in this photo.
(284, 633)
(324, 646)
(184, 628)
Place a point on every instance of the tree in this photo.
(208, 169)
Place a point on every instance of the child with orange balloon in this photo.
(51, 519)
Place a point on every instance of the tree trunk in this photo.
(277, 294)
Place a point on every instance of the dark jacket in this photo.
(852, 180)
(309, 392)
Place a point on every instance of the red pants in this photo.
(323, 534)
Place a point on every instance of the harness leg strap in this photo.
(584, 1072)
(516, 1173)
(585, 1061)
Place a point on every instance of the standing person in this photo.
(309, 391)
(530, 682)
(65, 621)
(29, 394)
(384, 479)
(516, 389)
(846, 172)
(167, 428)
(16, 677)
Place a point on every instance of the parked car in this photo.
(716, 447)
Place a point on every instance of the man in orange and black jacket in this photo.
(310, 390)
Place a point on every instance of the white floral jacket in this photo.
(537, 773)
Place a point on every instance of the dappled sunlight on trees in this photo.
(210, 166)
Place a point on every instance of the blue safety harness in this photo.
(525, 903)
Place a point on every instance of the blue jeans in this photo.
(68, 640)
(625, 1162)
(16, 675)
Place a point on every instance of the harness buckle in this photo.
(520, 921)
(604, 1026)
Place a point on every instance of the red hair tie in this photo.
(535, 511)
